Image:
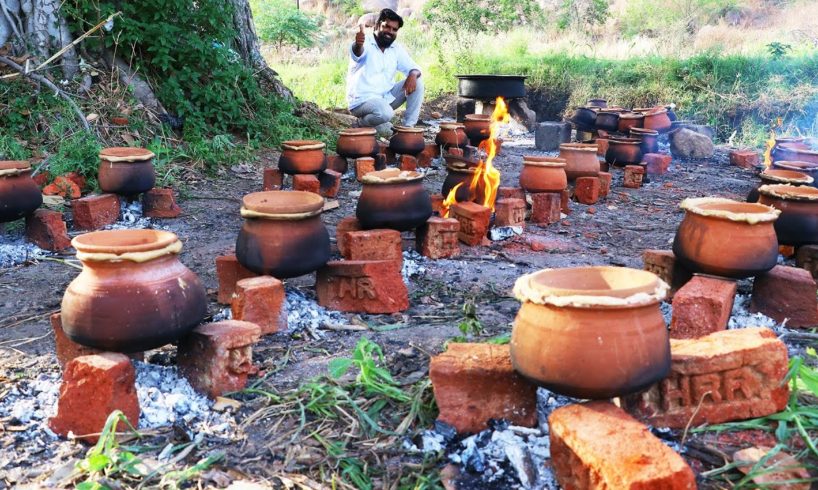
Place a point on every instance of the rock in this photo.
(378, 5)
(686, 143)
(550, 134)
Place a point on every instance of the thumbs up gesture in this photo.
(360, 36)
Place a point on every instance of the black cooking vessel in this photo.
(491, 86)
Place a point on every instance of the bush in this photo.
(473, 16)
(280, 22)
(643, 16)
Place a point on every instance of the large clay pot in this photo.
(585, 117)
(623, 151)
(591, 332)
(580, 160)
(649, 138)
(393, 199)
(302, 157)
(726, 238)
(407, 141)
(461, 173)
(543, 174)
(478, 128)
(798, 223)
(657, 120)
(19, 195)
(607, 119)
(133, 293)
(452, 135)
(282, 235)
(810, 169)
(630, 120)
(126, 171)
(779, 176)
(357, 143)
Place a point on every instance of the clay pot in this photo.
(126, 171)
(357, 143)
(407, 141)
(624, 151)
(460, 174)
(580, 160)
(393, 199)
(543, 174)
(630, 120)
(798, 223)
(585, 117)
(282, 235)
(591, 332)
(133, 293)
(657, 120)
(726, 238)
(302, 157)
(19, 195)
(452, 135)
(607, 120)
(779, 176)
(649, 138)
(601, 103)
(478, 128)
(810, 169)
(796, 152)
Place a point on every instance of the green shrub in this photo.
(471, 16)
(280, 22)
(582, 14)
(647, 18)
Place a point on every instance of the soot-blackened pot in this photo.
(810, 169)
(302, 157)
(478, 128)
(779, 176)
(126, 170)
(623, 151)
(407, 141)
(393, 199)
(649, 138)
(19, 195)
(357, 143)
(798, 223)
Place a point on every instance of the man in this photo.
(372, 92)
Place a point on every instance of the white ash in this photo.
(504, 232)
(412, 265)
(131, 217)
(741, 317)
(19, 251)
(223, 314)
(667, 311)
(304, 313)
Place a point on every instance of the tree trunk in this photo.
(38, 24)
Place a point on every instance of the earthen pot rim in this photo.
(655, 111)
(284, 205)
(11, 168)
(303, 145)
(391, 176)
(451, 125)
(624, 141)
(131, 245)
(477, 117)
(612, 110)
(631, 115)
(125, 154)
(579, 147)
(462, 170)
(805, 151)
(594, 108)
(537, 161)
(789, 192)
(785, 176)
(407, 129)
(591, 287)
(358, 132)
(728, 209)
(644, 131)
(795, 164)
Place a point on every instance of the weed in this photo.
(778, 50)
(367, 357)
(11, 149)
(107, 459)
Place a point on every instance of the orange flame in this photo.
(449, 201)
(770, 144)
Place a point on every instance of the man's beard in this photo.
(384, 40)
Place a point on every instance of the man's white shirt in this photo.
(372, 74)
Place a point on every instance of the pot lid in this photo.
(591, 286)
(281, 204)
(579, 147)
(477, 117)
(655, 111)
(789, 192)
(535, 161)
(644, 131)
(719, 207)
(358, 132)
(796, 165)
(631, 115)
(303, 145)
(13, 167)
(125, 154)
(785, 176)
(451, 125)
(407, 129)
(131, 245)
(391, 176)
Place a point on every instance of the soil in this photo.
(615, 231)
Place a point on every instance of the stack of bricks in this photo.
(252, 297)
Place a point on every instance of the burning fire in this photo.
(768, 151)
(486, 177)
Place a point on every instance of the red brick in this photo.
(93, 387)
(656, 163)
(744, 158)
(474, 221)
(427, 155)
(586, 190)
(664, 264)
(807, 259)
(306, 182)
(437, 239)
(604, 184)
(408, 163)
(67, 349)
(510, 193)
(597, 445)
(786, 293)
(363, 166)
(47, 230)
(228, 272)
(260, 300)
(633, 176)
(788, 251)
(350, 223)
(437, 202)
(546, 207)
(216, 358)
(509, 212)
(601, 146)
(565, 201)
(454, 151)
(160, 203)
(64, 187)
(330, 183)
(723, 377)
(338, 164)
(94, 212)
(41, 179)
(362, 286)
(473, 383)
(77, 179)
(432, 149)
(273, 179)
(374, 245)
(702, 306)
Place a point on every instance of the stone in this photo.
(604, 184)
(546, 207)
(307, 182)
(329, 183)
(633, 176)
(519, 110)
(474, 221)
(702, 306)
(510, 193)
(408, 163)
(92, 387)
(216, 358)
(437, 239)
(228, 272)
(473, 383)
(437, 203)
(160, 203)
(46, 229)
(337, 163)
(702, 129)
(596, 445)
(362, 286)
(261, 300)
(94, 212)
(377, 244)
(786, 293)
(68, 350)
(549, 135)
(664, 264)
(350, 223)
(586, 190)
(363, 166)
(747, 159)
(64, 187)
(509, 212)
(273, 179)
(602, 146)
(656, 163)
(722, 377)
(688, 144)
(807, 258)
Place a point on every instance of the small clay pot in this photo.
(798, 223)
(407, 141)
(543, 174)
(19, 195)
(133, 293)
(585, 117)
(649, 138)
(607, 120)
(810, 169)
(591, 332)
(357, 143)
(623, 151)
(657, 120)
(478, 128)
(779, 176)
(580, 160)
(601, 103)
(630, 120)
(452, 135)
(461, 174)
(282, 235)
(126, 170)
(393, 199)
(795, 152)
(726, 238)
(302, 157)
